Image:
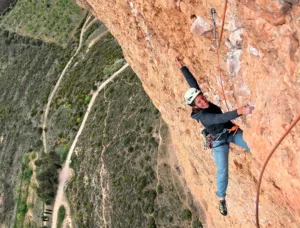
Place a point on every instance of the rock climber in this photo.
(218, 127)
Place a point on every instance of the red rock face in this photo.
(260, 65)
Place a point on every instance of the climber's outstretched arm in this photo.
(189, 78)
(209, 119)
(187, 75)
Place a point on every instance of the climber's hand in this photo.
(245, 110)
(178, 62)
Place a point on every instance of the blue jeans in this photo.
(221, 150)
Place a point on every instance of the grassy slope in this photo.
(29, 68)
(50, 20)
(71, 100)
(131, 129)
(26, 75)
(4, 4)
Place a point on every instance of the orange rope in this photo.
(266, 162)
(280, 140)
(221, 81)
(218, 55)
(223, 21)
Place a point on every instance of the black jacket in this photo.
(212, 117)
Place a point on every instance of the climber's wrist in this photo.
(239, 111)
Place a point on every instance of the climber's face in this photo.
(201, 102)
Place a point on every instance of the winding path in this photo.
(65, 173)
(84, 27)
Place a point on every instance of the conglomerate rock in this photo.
(260, 66)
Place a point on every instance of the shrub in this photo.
(38, 162)
(150, 195)
(22, 208)
(87, 99)
(126, 141)
(47, 176)
(73, 161)
(62, 150)
(159, 189)
(156, 111)
(27, 174)
(32, 155)
(197, 224)
(153, 142)
(149, 129)
(151, 222)
(111, 90)
(33, 112)
(78, 120)
(6, 186)
(61, 216)
(142, 183)
(186, 214)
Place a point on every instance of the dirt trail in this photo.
(159, 160)
(66, 171)
(68, 219)
(31, 190)
(104, 188)
(84, 27)
(92, 42)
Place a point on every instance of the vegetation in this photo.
(159, 189)
(50, 20)
(94, 30)
(129, 160)
(5, 5)
(187, 214)
(197, 223)
(61, 216)
(119, 146)
(62, 150)
(47, 176)
(27, 74)
(22, 207)
(73, 96)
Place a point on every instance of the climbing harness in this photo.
(266, 162)
(209, 138)
(213, 16)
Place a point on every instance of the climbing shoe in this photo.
(222, 207)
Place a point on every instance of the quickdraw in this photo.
(209, 142)
(213, 17)
(209, 138)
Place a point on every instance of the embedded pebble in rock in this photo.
(253, 50)
(200, 26)
(233, 62)
(266, 69)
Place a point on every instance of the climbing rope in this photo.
(218, 54)
(218, 44)
(266, 162)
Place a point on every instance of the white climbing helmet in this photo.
(190, 95)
